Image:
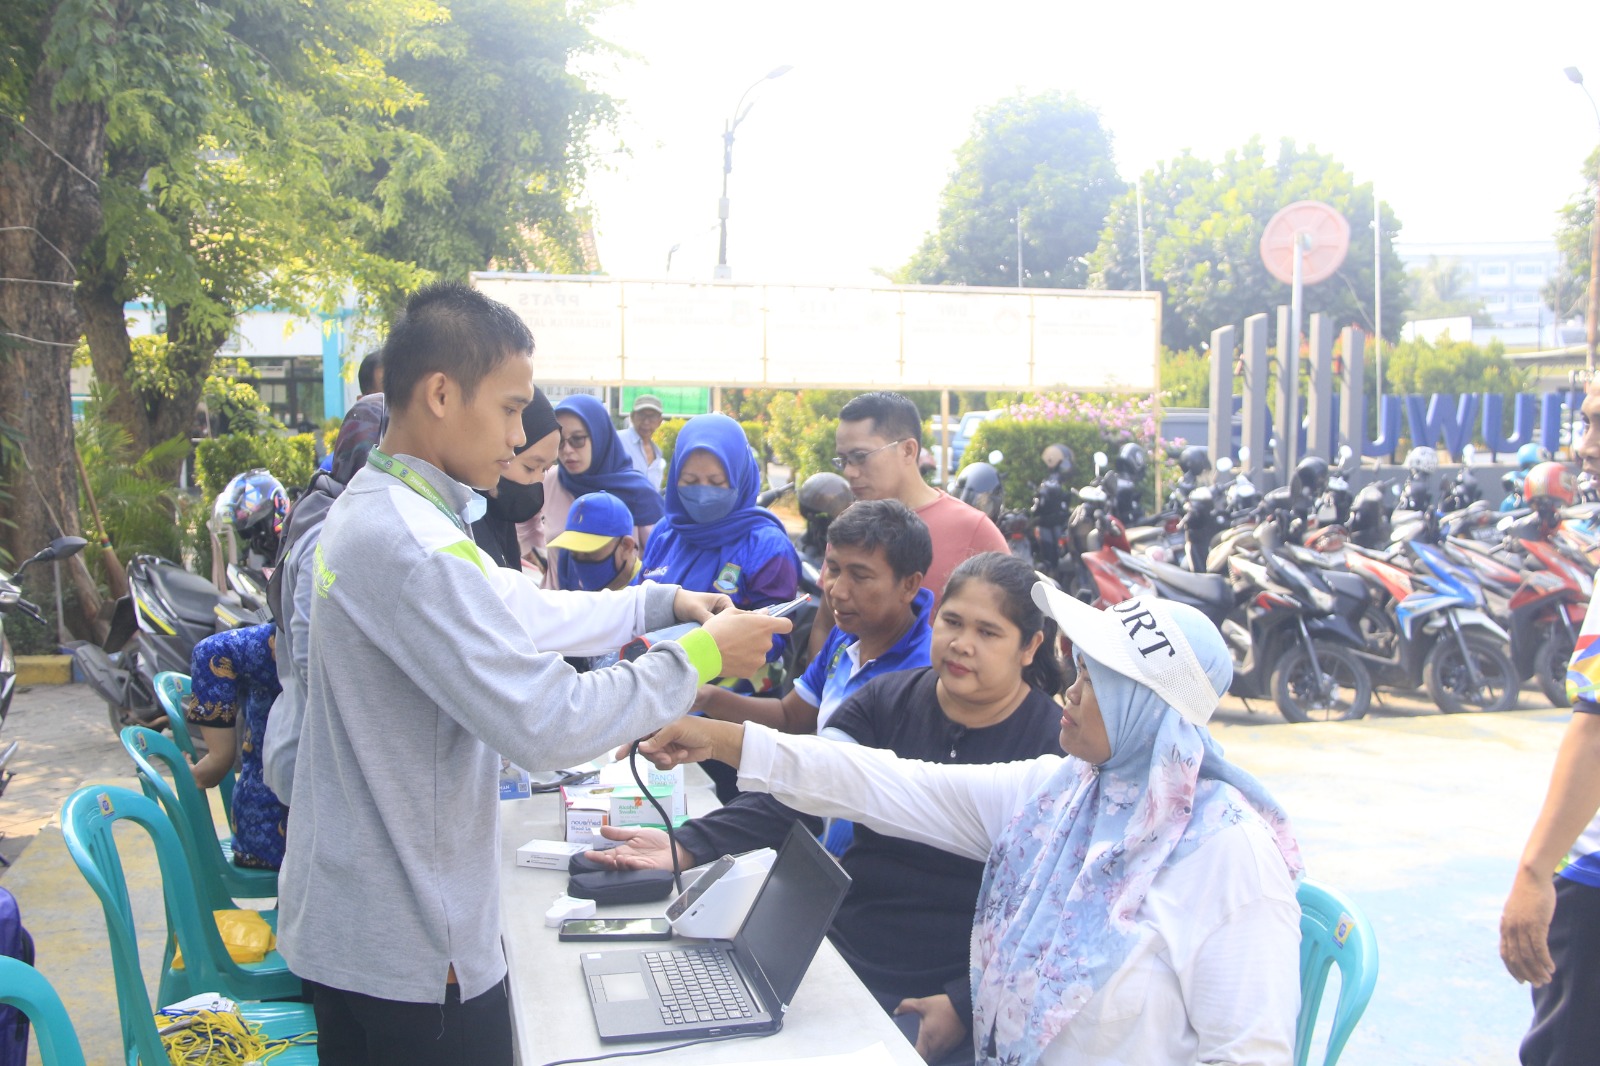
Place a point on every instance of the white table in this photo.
(832, 1013)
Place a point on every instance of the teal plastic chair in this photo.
(187, 807)
(87, 822)
(172, 689)
(23, 987)
(1333, 931)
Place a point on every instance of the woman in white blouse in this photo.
(1139, 900)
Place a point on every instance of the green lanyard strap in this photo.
(415, 482)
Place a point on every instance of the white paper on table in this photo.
(876, 1055)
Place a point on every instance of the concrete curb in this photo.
(44, 670)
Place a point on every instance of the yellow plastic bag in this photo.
(245, 934)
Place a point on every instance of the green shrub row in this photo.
(292, 460)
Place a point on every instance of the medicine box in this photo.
(588, 807)
(619, 773)
(548, 854)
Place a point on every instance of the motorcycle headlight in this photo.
(1321, 601)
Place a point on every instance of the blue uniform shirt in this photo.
(836, 673)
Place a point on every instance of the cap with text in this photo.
(1170, 648)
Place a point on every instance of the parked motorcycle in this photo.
(11, 600)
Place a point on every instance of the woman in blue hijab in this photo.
(592, 459)
(714, 537)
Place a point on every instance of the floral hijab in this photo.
(1066, 879)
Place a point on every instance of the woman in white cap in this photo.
(1138, 904)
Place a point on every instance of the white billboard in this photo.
(603, 331)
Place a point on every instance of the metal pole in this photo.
(1377, 289)
(1291, 430)
(1138, 206)
(1019, 246)
(722, 273)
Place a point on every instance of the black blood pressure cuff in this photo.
(1585, 706)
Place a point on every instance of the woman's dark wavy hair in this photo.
(1015, 580)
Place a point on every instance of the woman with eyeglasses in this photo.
(591, 458)
(1138, 901)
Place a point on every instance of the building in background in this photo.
(1508, 278)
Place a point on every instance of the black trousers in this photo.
(1566, 1012)
(359, 1030)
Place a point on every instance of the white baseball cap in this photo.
(1170, 648)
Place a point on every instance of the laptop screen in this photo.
(790, 917)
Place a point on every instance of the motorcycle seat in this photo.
(192, 596)
(1211, 590)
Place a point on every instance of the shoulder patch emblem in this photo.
(728, 578)
(325, 577)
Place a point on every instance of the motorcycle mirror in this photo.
(1224, 465)
(1468, 453)
(1099, 461)
(995, 457)
(1244, 453)
(1344, 460)
(62, 548)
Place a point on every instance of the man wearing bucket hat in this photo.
(1138, 903)
(598, 549)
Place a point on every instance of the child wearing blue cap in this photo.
(598, 548)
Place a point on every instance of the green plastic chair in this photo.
(172, 689)
(87, 822)
(187, 807)
(1333, 931)
(23, 987)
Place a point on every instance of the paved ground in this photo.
(1418, 816)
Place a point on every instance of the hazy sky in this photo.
(1459, 111)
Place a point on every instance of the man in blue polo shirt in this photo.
(878, 551)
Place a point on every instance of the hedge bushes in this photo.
(1023, 444)
(292, 460)
(666, 439)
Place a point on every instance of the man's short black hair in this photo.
(367, 375)
(889, 524)
(893, 416)
(452, 329)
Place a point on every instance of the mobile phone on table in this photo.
(615, 929)
(784, 610)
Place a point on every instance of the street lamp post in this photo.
(1594, 236)
(723, 273)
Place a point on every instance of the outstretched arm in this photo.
(959, 809)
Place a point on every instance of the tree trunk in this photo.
(42, 191)
(193, 350)
(105, 325)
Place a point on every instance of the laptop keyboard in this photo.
(697, 985)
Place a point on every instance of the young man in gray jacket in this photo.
(424, 668)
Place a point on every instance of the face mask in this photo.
(595, 576)
(706, 503)
(477, 507)
(517, 503)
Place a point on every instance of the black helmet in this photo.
(1194, 460)
(1131, 460)
(1058, 458)
(255, 504)
(824, 496)
(1311, 475)
(979, 486)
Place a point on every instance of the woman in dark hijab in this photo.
(520, 494)
(593, 460)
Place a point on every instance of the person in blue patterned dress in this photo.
(235, 676)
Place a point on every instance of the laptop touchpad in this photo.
(620, 987)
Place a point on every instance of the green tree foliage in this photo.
(1203, 223)
(1423, 367)
(291, 460)
(137, 500)
(1047, 157)
(1439, 290)
(1567, 293)
(1186, 378)
(500, 98)
(227, 181)
(800, 429)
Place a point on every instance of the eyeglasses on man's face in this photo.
(859, 457)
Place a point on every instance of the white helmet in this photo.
(1422, 460)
